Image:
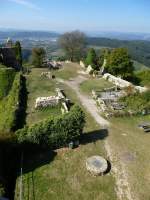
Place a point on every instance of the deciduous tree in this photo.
(18, 51)
(73, 44)
(38, 55)
(119, 63)
(91, 59)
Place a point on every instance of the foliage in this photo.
(73, 44)
(138, 49)
(138, 102)
(61, 58)
(18, 52)
(144, 77)
(91, 59)
(56, 131)
(6, 79)
(2, 66)
(103, 54)
(11, 107)
(38, 55)
(119, 63)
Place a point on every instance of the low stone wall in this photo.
(122, 83)
(42, 102)
(117, 81)
(60, 93)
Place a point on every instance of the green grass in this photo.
(2, 66)
(96, 84)
(127, 139)
(69, 70)
(64, 175)
(38, 86)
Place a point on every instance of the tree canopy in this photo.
(91, 59)
(38, 54)
(73, 44)
(119, 63)
(18, 51)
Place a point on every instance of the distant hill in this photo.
(138, 49)
(22, 35)
(120, 35)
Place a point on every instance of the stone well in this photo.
(97, 165)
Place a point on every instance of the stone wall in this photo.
(117, 81)
(122, 83)
(42, 102)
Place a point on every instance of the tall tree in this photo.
(91, 59)
(119, 63)
(38, 55)
(73, 44)
(18, 51)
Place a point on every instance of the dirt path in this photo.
(118, 167)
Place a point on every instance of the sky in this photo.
(67, 15)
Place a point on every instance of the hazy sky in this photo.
(86, 15)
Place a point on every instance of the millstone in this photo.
(97, 165)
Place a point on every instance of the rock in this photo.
(141, 89)
(117, 80)
(46, 101)
(67, 61)
(46, 74)
(122, 83)
(89, 69)
(82, 64)
(97, 165)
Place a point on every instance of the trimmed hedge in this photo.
(56, 131)
(7, 76)
(10, 106)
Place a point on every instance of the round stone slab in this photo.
(97, 165)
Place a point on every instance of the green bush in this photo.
(10, 106)
(144, 77)
(56, 131)
(6, 79)
(138, 102)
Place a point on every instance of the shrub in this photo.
(144, 77)
(55, 132)
(6, 79)
(10, 106)
(138, 102)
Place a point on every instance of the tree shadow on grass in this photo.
(35, 157)
(94, 136)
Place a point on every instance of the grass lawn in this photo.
(96, 84)
(66, 177)
(69, 70)
(62, 175)
(39, 87)
(132, 146)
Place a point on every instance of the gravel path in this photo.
(118, 168)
